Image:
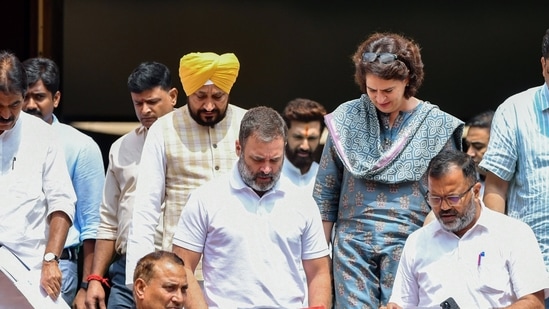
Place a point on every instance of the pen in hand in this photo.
(480, 255)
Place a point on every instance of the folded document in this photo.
(29, 293)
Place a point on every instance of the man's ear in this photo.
(238, 148)
(139, 287)
(56, 99)
(173, 95)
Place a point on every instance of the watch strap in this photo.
(84, 285)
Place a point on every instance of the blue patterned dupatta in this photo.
(355, 131)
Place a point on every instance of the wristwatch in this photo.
(84, 285)
(49, 257)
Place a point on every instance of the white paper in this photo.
(28, 292)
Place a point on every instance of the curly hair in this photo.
(408, 63)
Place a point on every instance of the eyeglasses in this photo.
(384, 58)
(452, 200)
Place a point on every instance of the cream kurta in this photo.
(179, 155)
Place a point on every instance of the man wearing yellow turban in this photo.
(183, 150)
(195, 69)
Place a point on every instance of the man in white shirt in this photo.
(38, 201)
(472, 255)
(305, 121)
(255, 230)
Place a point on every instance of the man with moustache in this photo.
(305, 121)
(38, 199)
(478, 257)
(254, 230)
(476, 143)
(161, 280)
(185, 149)
(85, 165)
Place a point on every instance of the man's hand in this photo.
(50, 280)
(80, 300)
(95, 296)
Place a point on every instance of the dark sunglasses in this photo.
(383, 57)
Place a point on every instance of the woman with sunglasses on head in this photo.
(370, 184)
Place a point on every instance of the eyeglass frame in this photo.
(384, 58)
(446, 198)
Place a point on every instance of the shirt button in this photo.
(216, 168)
(214, 145)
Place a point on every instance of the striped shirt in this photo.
(518, 152)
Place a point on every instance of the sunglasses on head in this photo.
(383, 57)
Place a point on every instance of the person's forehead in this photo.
(476, 132)
(256, 146)
(304, 125)
(10, 98)
(150, 93)
(165, 268)
(453, 176)
(206, 89)
(38, 87)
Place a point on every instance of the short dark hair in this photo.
(13, 79)
(145, 266)
(545, 45)
(304, 110)
(482, 120)
(148, 75)
(440, 164)
(407, 65)
(42, 69)
(263, 122)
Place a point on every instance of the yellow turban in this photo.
(195, 69)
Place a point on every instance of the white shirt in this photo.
(34, 182)
(496, 262)
(294, 174)
(252, 244)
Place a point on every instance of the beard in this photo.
(250, 178)
(293, 155)
(208, 121)
(462, 221)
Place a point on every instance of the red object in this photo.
(104, 281)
